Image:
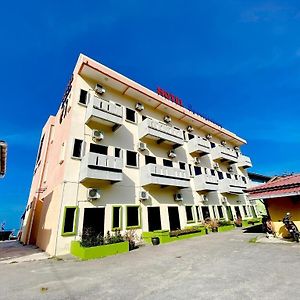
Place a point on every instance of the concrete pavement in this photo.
(216, 266)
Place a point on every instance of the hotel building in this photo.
(120, 156)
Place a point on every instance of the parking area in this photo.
(216, 266)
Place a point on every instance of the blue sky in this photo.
(235, 61)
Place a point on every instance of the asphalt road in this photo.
(216, 266)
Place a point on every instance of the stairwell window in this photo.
(131, 158)
(77, 148)
(117, 218)
(69, 222)
(83, 97)
(130, 115)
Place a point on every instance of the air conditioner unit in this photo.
(99, 89)
(209, 136)
(236, 148)
(142, 146)
(98, 135)
(216, 166)
(223, 143)
(178, 197)
(230, 169)
(144, 195)
(205, 198)
(190, 128)
(93, 194)
(197, 160)
(172, 154)
(224, 199)
(167, 119)
(139, 106)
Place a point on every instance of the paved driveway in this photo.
(216, 266)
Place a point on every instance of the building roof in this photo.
(3, 156)
(90, 68)
(280, 186)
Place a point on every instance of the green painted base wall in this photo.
(98, 251)
(164, 236)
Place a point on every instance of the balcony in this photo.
(244, 161)
(224, 154)
(198, 145)
(161, 132)
(104, 112)
(96, 168)
(205, 182)
(153, 174)
(233, 185)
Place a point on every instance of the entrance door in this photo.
(154, 218)
(94, 220)
(229, 213)
(254, 215)
(205, 212)
(237, 212)
(174, 218)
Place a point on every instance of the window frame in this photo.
(86, 97)
(120, 218)
(135, 116)
(193, 215)
(139, 226)
(137, 159)
(81, 150)
(75, 220)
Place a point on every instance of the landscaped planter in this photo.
(226, 228)
(98, 251)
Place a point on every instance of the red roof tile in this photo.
(285, 185)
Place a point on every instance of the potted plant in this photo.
(155, 240)
(130, 236)
(238, 222)
(214, 224)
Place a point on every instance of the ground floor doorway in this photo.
(154, 221)
(174, 218)
(254, 215)
(93, 220)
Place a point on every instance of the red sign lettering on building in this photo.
(169, 96)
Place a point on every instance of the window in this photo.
(190, 170)
(117, 152)
(133, 216)
(220, 211)
(131, 158)
(69, 222)
(197, 171)
(77, 149)
(144, 118)
(220, 175)
(191, 136)
(150, 159)
(197, 213)
(228, 175)
(83, 96)
(189, 214)
(130, 115)
(213, 172)
(40, 149)
(167, 163)
(245, 210)
(213, 145)
(100, 149)
(182, 166)
(116, 217)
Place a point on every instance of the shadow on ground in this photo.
(253, 229)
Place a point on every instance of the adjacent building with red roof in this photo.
(280, 195)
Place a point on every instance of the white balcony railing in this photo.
(206, 182)
(155, 129)
(104, 112)
(161, 175)
(198, 145)
(244, 161)
(101, 167)
(221, 152)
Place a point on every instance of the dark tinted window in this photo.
(197, 170)
(132, 216)
(83, 97)
(130, 115)
(150, 159)
(182, 166)
(69, 219)
(189, 213)
(100, 149)
(116, 217)
(167, 163)
(131, 158)
(77, 149)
